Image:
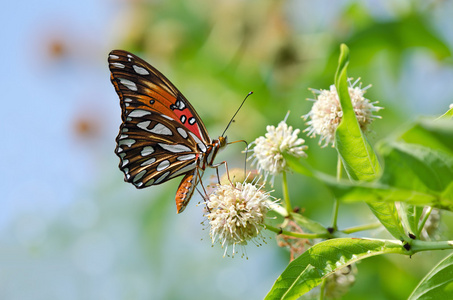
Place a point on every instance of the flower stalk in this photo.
(286, 194)
(336, 203)
(297, 234)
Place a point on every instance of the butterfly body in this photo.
(161, 136)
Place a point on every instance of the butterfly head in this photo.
(222, 141)
(213, 149)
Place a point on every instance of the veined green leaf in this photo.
(357, 156)
(359, 159)
(308, 224)
(437, 284)
(373, 192)
(323, 259)
(388, 216)
(377, 192)
(435, 134)
(410, 216)
(416, 167)
(420, 169)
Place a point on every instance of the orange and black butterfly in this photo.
(162, 136)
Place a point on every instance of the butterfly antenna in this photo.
(223, 134)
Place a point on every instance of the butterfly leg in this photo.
(216, 166)
(200, 174)
(203, 195)
(217, 172)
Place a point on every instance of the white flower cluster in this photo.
(326, 112)
(268, 150)
(236, 213)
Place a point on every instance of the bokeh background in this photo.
(70, 228)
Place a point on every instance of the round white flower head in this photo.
(268, 150)
(236, 213)
(326, 112)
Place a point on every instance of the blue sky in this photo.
(41, 96)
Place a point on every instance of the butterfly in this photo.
(161, 136)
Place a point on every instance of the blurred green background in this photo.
(70, 228)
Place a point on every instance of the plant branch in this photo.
(297, 234)
(361, 228)
(417, 246)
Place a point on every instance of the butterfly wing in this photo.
(161, 136)
(154, 148)
(186, 189)
(140, 86)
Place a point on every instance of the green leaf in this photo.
(446, 198)
(447, 116)
(437, 284)
(323, 259)
(425, 170)
(359, 159)
(376, 192)
(357, 156)
(388, 216)
(379, 193)
(435, 134)
(308, 224)
(410, 217)
(353, 191)
(297, 165)
(393, 38)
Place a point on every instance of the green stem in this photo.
(286, 194)
(339, 168)
(425, 218)
(336, 203)
(417, 245)
(322, 289)
(296, 234)
(361, 228)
